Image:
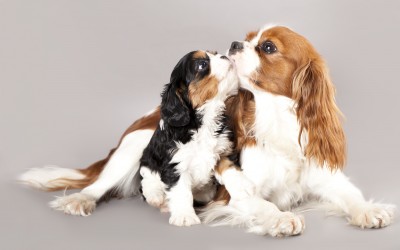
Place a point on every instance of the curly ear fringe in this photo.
(319, 116)
(173, 108)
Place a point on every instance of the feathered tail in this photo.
(53, 178)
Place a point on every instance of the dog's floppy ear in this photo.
(174, 109)
(318, 114)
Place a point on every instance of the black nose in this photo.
(235, 46)
(224, 57)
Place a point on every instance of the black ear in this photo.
(174, 106)
(174, 109)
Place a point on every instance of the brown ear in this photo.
(318, 115)
(250, 35)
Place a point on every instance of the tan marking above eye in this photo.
(199, 54)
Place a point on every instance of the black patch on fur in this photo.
(179, 120)
(198, 204)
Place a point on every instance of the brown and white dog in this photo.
(291, 139)
(287, 129)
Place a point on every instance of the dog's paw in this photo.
(75, 204)
(373, 215)
(288, 224)
(155, 200)
(164, 208)
(184, 219)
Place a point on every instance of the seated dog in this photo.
(178, 163)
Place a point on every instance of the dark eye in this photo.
(268, 47)
(201, 65)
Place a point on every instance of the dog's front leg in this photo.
(340, 196)
(236, 183)
(180, 203)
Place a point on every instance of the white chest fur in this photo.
(275, 163)
(198, 157)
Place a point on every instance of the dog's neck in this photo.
(276, 123)
(212, 113)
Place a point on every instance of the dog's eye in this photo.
(201, 65)
(268, 47)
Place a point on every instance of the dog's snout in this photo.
(235, 46)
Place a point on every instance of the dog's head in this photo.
(198, 78)
(282, 62)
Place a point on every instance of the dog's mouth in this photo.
(231, 59)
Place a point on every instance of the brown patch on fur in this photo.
(297, 71)
(241, 112)
(318, 115)
(93, 171)
(224, 164)
(200, 91)
(251, 35)
(203, 90)
(222, 196)
(276, 70)
(200, 54)
(147, 122)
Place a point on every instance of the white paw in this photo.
(153, 188)
(155, 200)
(75, 204)
(288, 224)
(164, 208)
(187, 219)
(373, 216)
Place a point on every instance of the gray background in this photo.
(75, 74)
